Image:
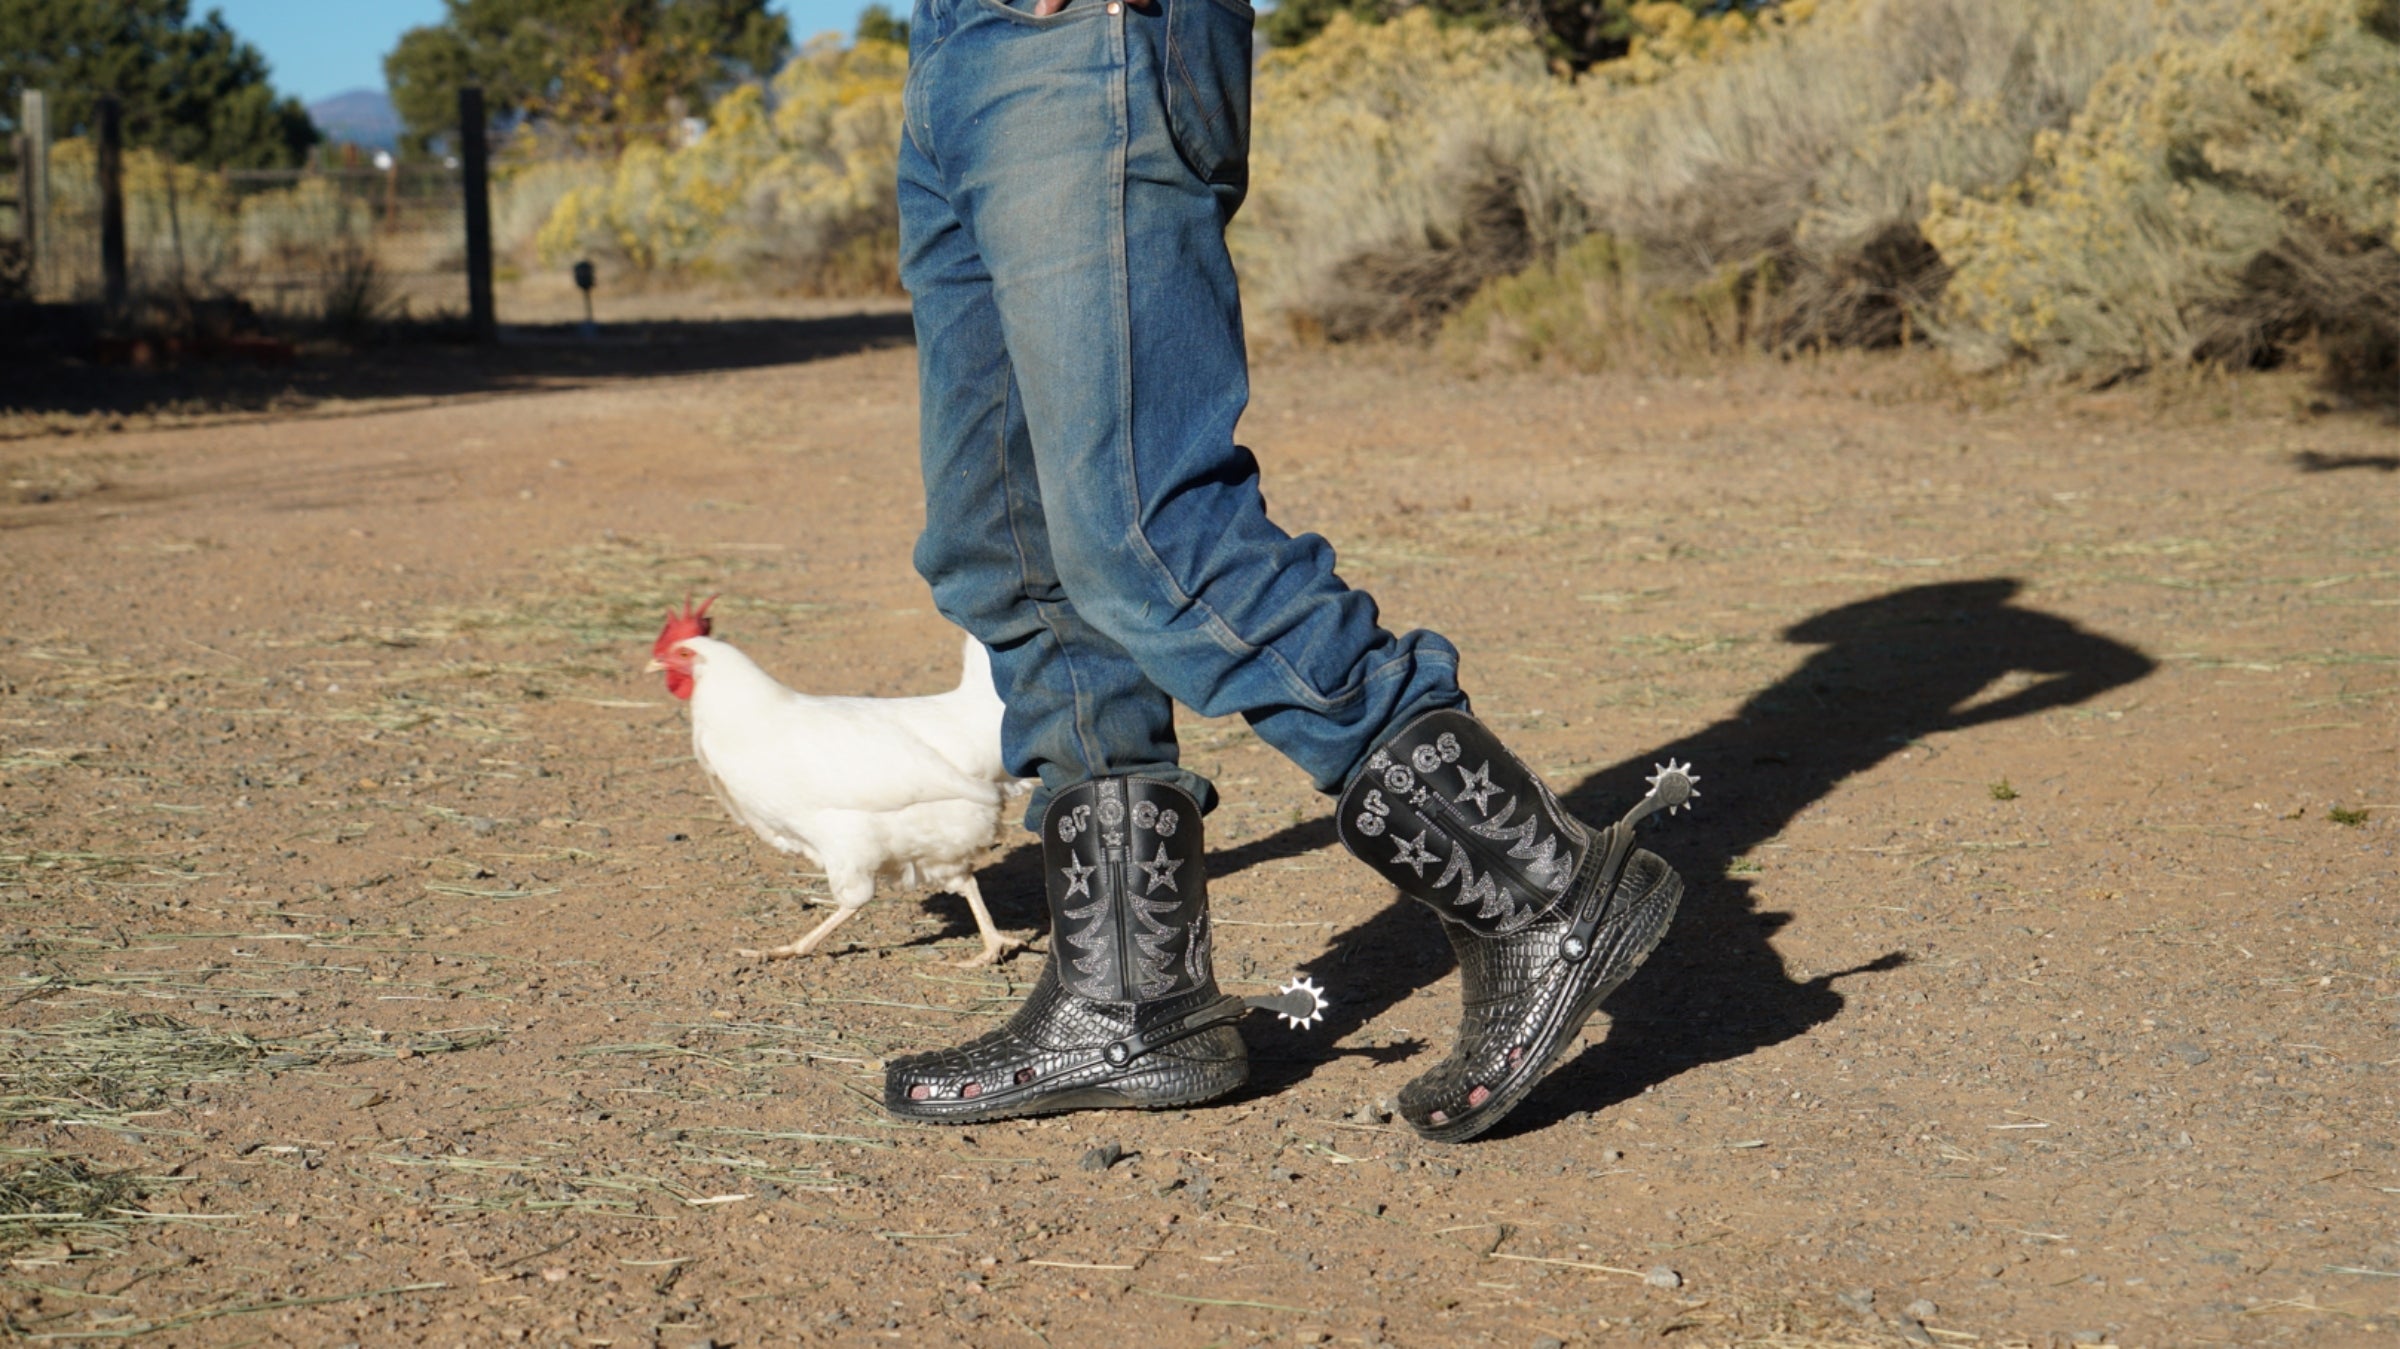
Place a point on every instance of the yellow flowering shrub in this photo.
(801, 192)
(1669, 37)
(2136, 236)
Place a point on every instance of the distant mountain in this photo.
(361, 117)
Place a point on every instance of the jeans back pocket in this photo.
(1208, 90)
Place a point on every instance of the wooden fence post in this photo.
(33, 121)
(114, 288)
(474, 165)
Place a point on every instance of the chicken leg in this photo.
(815, 937)
(995, 946)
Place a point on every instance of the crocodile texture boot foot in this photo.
(1126, 1012)
(1548, 916)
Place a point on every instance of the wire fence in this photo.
(340, 243)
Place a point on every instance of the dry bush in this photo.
(1591, 308)
(1394, 168)
(2224, 195)
(1809, 156)
(1788, 157)
(183, 228)
(311, 249)
(800, 193)
(353, 293)
(16, 270)
(1409, 288)
(2317, 285)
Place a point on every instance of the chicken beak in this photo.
(654, 667)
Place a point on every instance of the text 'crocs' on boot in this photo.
(1547, 916)
(1126, 1012)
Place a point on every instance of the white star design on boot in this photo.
(1079, 878)
(1412, 851)
(1477, 787)
(1160, 870)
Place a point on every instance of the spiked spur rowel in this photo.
(1547, 916)
(1126, 1012)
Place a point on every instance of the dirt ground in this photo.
(363, 914)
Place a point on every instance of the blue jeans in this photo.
(1065, 183)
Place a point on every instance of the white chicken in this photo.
(906, 789)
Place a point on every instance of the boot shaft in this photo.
(1448, 815)
(1128, 891)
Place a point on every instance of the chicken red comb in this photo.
(690, 622)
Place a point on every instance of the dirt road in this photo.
(2038, 982)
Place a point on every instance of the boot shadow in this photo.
(1890, 670)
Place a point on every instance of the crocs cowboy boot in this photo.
(1126, 1012)
(1547, 915)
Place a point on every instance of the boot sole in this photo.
(1654, 913)
(1094, 1096)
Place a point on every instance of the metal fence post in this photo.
(475, 172)
(112, 202)
(33, 120)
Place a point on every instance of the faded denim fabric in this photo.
(1065, 183)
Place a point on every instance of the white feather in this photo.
(908, 789)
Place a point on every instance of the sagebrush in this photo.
(2086, 190)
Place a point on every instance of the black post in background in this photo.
(112, 202)
(475, 172)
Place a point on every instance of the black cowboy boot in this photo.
(1126, 1012)
(1547, 915)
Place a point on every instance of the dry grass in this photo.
(117, 1070)
(124, 1073)
(48, 1197)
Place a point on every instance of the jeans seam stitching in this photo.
(1214, 623)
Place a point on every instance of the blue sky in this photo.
(323, 47)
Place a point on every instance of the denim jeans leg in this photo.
(1054, 213)
(1078, 706)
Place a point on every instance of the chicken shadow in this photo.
(1891, 670)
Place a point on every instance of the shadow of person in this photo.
(1890, 671)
